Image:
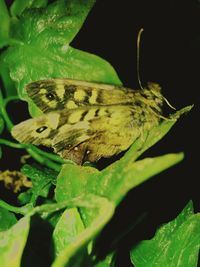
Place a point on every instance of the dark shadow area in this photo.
(38, 244)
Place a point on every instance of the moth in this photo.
(84, 121)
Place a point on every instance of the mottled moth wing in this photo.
(87, 121)
(55, 129)
(95, 132)
(87, 133)
(58, 94)
(37, 131)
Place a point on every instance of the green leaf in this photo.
(7, 219)
(42, 49)
(116, 184)
(28, 63)
(5, 24)
(12, 243)
(71, 181)
(41, 180)
(60, 21)
(175, 244)
(74, 181)
(74, 254)
(66, 230)
(18, 6)
(24, 197)
(7, 82)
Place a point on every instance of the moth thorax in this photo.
(153, 93)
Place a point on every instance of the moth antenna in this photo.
(138, 57)
(167, 102)
(165, 99)
(138, 67)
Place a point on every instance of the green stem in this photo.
(44, 161)
(48, 155)
(19, 210)
(4, 113)
(46, 208)
(34, 154)
(54, 207)
(11, 144)
(8, 99)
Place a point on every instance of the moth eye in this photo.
(41, 129)
(50, 96)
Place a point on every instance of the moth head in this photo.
(153, 92)
(37, 131)
(154, 88)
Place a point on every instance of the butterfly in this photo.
(84, 121)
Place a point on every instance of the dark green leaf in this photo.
(9, 85)
(18, 6)
(5, 24)
(60, 20)
(53, 218)
(7, 219)
(175, 244)
(42, 48)
(34, 63)
(42, 180)
(25, 197)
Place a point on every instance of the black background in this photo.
(170, 56)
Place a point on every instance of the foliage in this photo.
(75, 202)
(175, 243)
